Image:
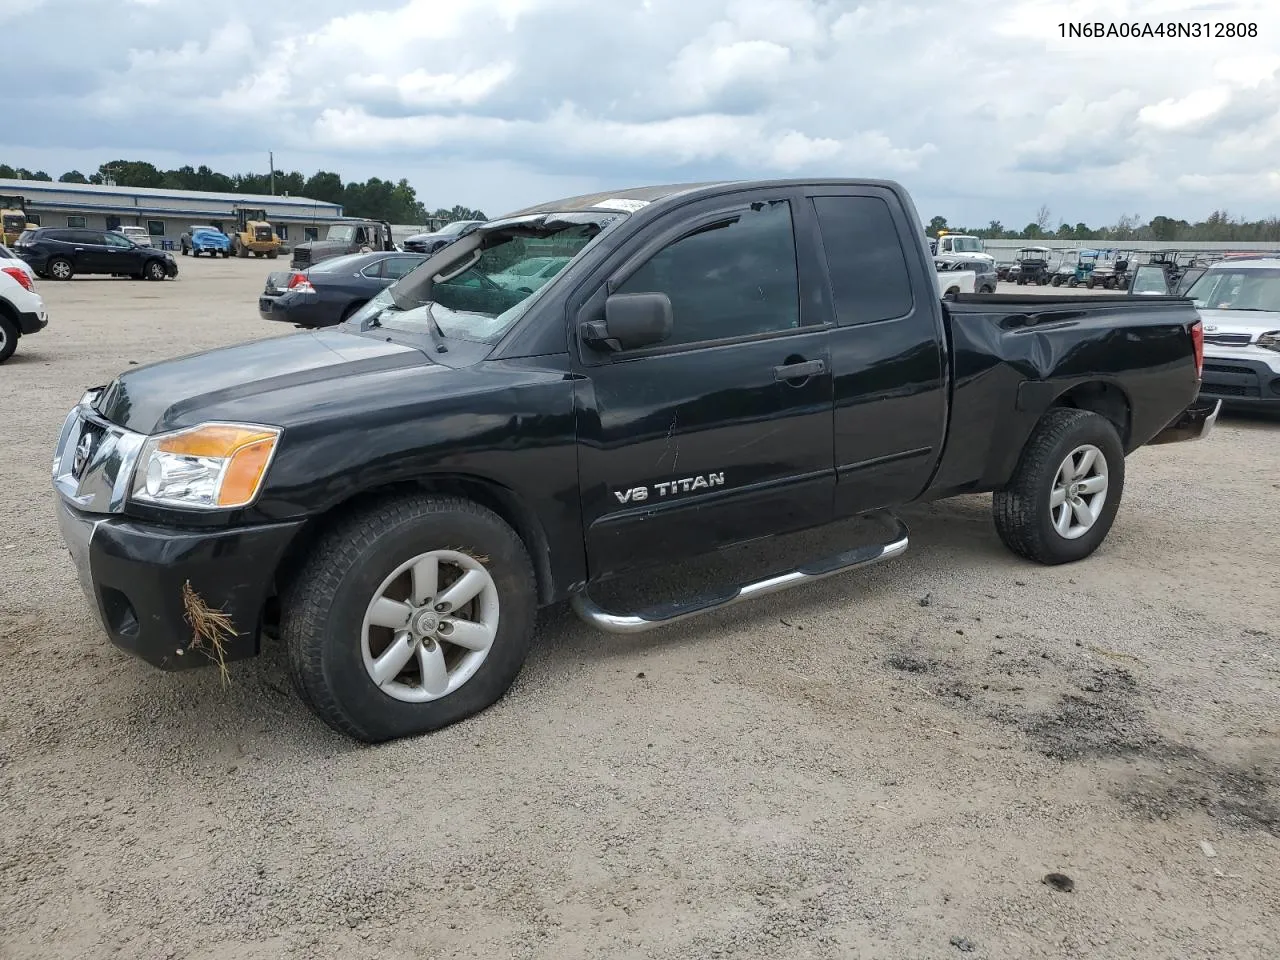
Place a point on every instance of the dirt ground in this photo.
(882, 765)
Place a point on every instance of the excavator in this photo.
(13, 218)
(254, 234)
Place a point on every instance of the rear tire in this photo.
(1035, 514)
(60, 268)
(332, 646)
(8, 338)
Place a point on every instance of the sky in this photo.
(981, 109)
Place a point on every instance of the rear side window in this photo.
(397, 267)
(731, 278)
(869, 278)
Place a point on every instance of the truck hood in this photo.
(173, 393)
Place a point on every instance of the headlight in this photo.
(1270, 340)
(214, 466)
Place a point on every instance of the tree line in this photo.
(376, 199)
(1220, 226)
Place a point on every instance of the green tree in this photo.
(73, 176)
(936, 225)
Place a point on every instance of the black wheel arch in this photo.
(506, 503)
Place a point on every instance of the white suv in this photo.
(21, 309)
(1239, 302)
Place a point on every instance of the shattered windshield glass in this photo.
(485, 289)
(343, 234)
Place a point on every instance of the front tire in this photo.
(1063, 496)
(154, 270)
(368, 618)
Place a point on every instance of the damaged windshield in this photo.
(342, 234)
(494, 275)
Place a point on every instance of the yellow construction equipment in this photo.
(13, 218)
(254, 234)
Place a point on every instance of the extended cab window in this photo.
(869, 279)
(731, 278)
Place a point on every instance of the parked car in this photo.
(22, 310)
(61, 252)
(352, 236)
(985, 276)
(1239, 302)
(716, 364)
(439, 239)
(954, 277)
(10, 259)
(332, 290)
(204, 239)
(529, 275)
(137, 234)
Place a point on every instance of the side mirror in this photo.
(631, 321)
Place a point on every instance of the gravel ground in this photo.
(884, 765)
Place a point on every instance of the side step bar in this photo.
(664, 614)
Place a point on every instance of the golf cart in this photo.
(1076, 268)
(1033, 266)
(1112, 270)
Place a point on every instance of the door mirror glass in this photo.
(631, 321)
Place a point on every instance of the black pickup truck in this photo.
(397, 496)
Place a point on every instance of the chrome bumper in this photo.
(1195, 423)
(77, 531)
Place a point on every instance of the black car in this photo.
(431, 242)
(395, 497)
(60, 253)
(334, 289)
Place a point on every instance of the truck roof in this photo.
(633, 197)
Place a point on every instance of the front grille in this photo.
(301, 257)
(262, 233)
(1227, 339)
(1227, 390)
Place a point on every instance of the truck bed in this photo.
(1014, 355)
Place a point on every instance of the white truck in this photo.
(960, 243)
(951, 282)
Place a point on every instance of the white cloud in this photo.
(982, 112)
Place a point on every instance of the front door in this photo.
(121, 255)
(722, 433)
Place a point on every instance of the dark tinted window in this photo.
(731, 278)
(397, 267)
(864, 254)
(95, 237)
(62, 235)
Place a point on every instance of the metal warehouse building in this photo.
(165, 214)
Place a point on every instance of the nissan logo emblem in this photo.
(83, 449)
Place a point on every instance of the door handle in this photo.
(77, 250)
(799, 371)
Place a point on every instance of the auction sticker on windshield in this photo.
(618, 203)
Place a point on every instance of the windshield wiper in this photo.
(437, 335)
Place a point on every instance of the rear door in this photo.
(706, 440)
(886, 350)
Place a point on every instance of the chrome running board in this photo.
(667, 613)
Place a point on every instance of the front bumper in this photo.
(1194, 423)
(170, 268)
(134, 574)
(1241, 382)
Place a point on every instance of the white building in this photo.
(165, 214)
